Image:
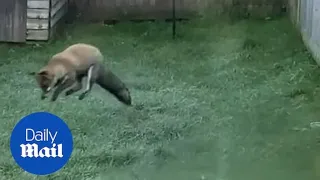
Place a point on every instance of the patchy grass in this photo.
(224, 101)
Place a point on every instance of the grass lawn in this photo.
(225, 101)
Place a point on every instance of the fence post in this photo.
(173, 19)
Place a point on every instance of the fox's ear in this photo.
(43, 73)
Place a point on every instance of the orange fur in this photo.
(67, 68)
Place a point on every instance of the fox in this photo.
(66, 69)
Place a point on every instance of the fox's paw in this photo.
(53, 99)
(69, 92)
(82, 96)
(43, 97)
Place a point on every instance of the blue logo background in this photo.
(38, 122)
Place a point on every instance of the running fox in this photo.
(67, 68)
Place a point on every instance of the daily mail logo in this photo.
(41, 138)
(32, 150)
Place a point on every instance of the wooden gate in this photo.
(13, 20)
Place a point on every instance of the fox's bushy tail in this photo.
(110, 82)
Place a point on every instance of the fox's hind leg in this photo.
(91, 79)
(77, 87)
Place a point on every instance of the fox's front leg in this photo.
(66, 84)
(77, 87)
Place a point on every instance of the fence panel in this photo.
(99, 10)
(308, 12)
(13, 20)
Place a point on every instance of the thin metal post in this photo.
(173, 19)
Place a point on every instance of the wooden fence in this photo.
(99, 10)
(305, 14)
(22, 20)
(43, 17)
(13, 20)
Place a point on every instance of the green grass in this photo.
(229, 101)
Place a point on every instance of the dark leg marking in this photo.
(67, 83)
(77, 87)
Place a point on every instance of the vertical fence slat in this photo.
(310, 17)
(302, 15)
(316, 22)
